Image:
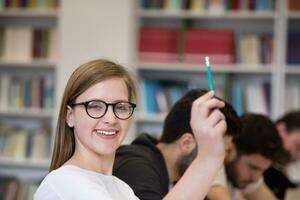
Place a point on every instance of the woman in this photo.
(93, 121)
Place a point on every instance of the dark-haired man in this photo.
(255, 149)
(276, 177)
(151, 167)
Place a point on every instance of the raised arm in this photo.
(208, 125)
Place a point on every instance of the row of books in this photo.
(159, 96)
(192, 44)
(294, 5)
(17, 143)
(252, 96)
(28, 4)
(26, 43)
(17, 91)
(13, 189)
(293, 50)
(292, 96)
(209, 5)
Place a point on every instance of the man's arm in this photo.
(208, 125)
(218, 193)
(262, 193)
(219, 189)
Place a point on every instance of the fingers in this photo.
(215, 117)
(203, 106)
(221, 127)
(208, 124)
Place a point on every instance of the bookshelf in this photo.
(28, 59)
(270, 75)
(292, 63)
(118, 41)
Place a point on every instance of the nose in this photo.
(255, 176)
(297, 157)
(109, 116)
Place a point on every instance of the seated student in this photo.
(94, 118)
(276, 178)
(254, 150)
(150, 167)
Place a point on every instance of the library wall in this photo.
(257, 67)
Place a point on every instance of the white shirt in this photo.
(71, 182)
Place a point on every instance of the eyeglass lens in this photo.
(97, 109)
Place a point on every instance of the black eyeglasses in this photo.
(97, 108)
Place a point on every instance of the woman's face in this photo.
(104, 135)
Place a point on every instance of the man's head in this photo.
(288, 127)
(178, 132)
(257, 147)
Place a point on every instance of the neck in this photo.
(91, 161)
(170, 156)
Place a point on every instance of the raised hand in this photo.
(208, 125)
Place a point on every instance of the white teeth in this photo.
(106, 132)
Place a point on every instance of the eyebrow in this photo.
(116, 101)
(255, 167)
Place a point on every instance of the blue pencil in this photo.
(209, 74)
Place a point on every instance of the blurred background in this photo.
(254, 49)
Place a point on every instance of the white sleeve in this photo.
(70, 189)
(253, 186)
(220, 179)
(45, 192)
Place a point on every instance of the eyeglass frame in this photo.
(86, 103)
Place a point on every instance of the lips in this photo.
(106, 133)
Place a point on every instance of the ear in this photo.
(281, 128)
(228, 142)
(231, 152)
(70, 117)
(187, 143)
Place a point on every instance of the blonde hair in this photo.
(83, 78)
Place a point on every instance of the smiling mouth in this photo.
(106, 133)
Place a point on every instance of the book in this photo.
(216, 43)
(158, 44)
(292, 96)
(293, 43)
(237, 97)
(294, 5)
(4, 91)
(255, 98)
(17, 44)
(52, 54)
(250, 51)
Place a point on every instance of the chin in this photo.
(243, 185)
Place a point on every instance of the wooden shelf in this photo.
(38, 63)
(29, 163)
(293, 14)
(27, 112)
(293, 69)
(36, 13)
(26, 169)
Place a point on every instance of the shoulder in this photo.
(140, 154)
(124, 187)
(64, 182)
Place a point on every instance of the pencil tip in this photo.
(207, 60)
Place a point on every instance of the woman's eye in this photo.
(96, 106)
